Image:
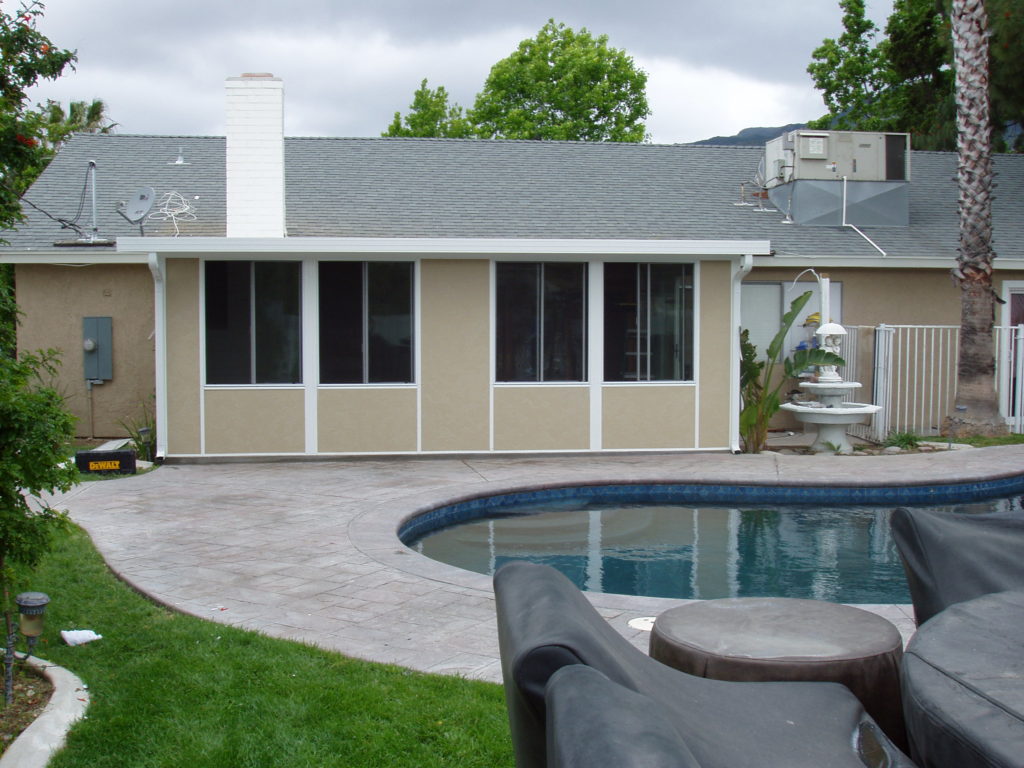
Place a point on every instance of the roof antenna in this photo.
(93, 238)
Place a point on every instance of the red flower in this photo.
(26, 140)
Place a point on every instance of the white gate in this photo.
(1010, 374)
(912, 376)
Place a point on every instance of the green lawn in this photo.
(985, 442)
(172, 690)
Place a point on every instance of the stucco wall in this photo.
(366, 420)
(455, 365)
(716, 356)
(255, 421)
(648, 416)
(542, 418)
(892, 296)
(54, 299)
(183, 380)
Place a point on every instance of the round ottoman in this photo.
(773, 639)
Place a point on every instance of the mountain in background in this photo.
(752, 137)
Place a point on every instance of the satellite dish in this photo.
(139, 204)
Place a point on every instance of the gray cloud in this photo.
(349, 65)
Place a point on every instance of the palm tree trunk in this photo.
(977, 408)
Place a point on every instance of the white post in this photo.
(824, 306)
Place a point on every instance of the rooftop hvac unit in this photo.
(832, 155)
(828, 178)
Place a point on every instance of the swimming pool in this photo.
(687, 542)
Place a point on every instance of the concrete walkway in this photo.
(308, 551)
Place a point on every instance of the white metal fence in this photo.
(910, 370)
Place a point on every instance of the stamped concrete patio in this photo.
(308, 550)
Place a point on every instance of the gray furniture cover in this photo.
(758, 639)
(583, 731)
(951, 557)
(963, 685)
(545, 623)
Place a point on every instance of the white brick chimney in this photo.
(255, 156)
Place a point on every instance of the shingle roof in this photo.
(380, 187)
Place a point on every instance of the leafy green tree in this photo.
(431, 116)
(34, 426)
(849, 73)
(27, 57)
(33, 461)
(919, 80)
(563, 85)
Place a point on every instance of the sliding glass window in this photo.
(253, 322)
(648, 322)
(541, 321)
(366, 322)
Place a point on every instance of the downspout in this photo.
(743, 269)
(851, 226)
(156, 268)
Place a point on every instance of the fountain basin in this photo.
(832, 423)
(829, 387)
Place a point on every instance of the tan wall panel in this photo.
(541, 418)
(255, 421)
(183, 383)
(366, 420)
(715, 350)
(54, 299)
(892, 296)
(455, 344)
(648, 417)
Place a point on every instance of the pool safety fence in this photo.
(910, 370)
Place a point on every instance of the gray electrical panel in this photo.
(98, 348)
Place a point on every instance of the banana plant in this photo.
(759, 384)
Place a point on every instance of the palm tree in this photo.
(977, 409)
(81, 117)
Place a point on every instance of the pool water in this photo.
(842, 554)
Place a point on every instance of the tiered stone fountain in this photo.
(831, 411)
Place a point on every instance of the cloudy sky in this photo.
(713, 67)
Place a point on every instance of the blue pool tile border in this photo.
(691, 493)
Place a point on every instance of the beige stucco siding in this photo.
(913, 296)
(255, 420)
(648, 416)
(366, 420)
(715, 354)
(541, 418)
(455, 352)
(183, 381)
(54, 299)
(874, 296)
